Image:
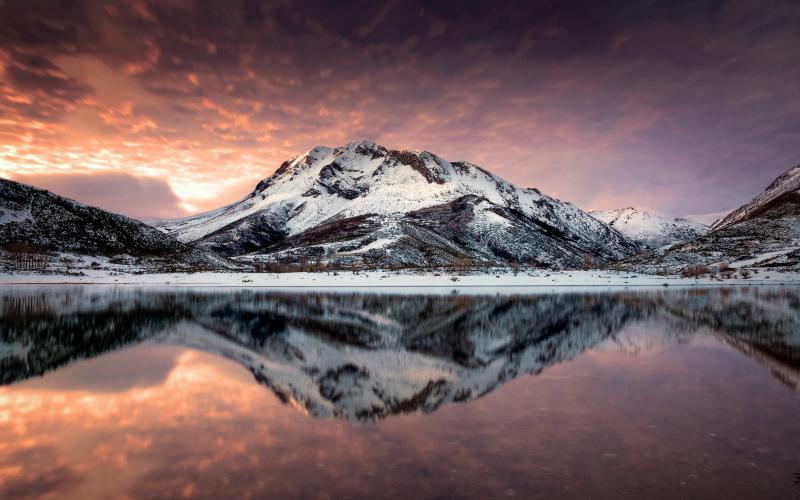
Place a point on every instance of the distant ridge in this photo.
(649, 229)
(762, 233)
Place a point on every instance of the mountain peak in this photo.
(650, 229)
(403, 207)
(362, 144)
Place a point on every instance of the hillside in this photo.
(784, 188)
(35, 220)
(366, 203)
(762, 233)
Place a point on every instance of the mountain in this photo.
(651, 230)
(784, 189)
(36, 220)
(762, 233)
(366, 203)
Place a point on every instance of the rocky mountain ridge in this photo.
(364, 202)
(649, 229)
(785, 188)
(762, 233)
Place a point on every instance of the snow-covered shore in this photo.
(403, 281)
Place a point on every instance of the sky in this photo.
(159, 109)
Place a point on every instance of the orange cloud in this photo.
(203, 96)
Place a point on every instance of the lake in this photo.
(112, 392)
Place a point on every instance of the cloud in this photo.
(138, 197)
(54, 475)
(656, 100)
(137, 367)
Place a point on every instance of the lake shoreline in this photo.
(536, 280)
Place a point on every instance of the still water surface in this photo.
(137, 393)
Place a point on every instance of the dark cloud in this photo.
(51, 92)
(138, 197)
(603, 103)
(55, 25)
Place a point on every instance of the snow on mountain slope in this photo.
(763, 233)
(36, 218)
(652, 230)
(329, 196)
(788, 183)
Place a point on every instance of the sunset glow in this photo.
(191, 103)
(201, 427)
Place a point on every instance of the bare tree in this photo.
(695, 271)
(27, 256)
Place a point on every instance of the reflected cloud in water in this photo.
(636, 393)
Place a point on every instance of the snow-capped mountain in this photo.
(652, 230)
(37, 219)
(763, 233)
(366, 202)
(785, 188)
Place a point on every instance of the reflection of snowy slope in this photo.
(392, 365)
(364, 384)
(50, 329)
(640, 337)
(364, 357)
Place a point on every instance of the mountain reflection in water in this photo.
(363, 357)
(168, 393)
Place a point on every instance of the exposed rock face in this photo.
(651, 230)
(30, 216)
(364, 357)
(363, 202)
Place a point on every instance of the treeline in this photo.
(723, 270)
(26, 256)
